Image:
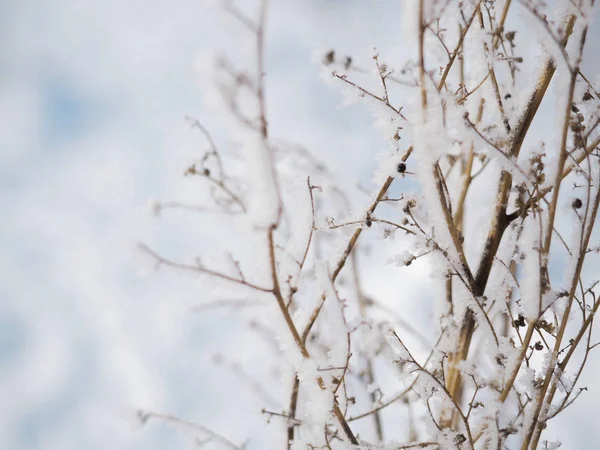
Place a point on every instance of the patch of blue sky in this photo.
(13, 336)
(68, 112)
(58, 407)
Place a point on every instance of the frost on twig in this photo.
(474, 246)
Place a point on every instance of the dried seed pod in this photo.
(538, 346)
(347, 62)
(460, 439)
(329, 57)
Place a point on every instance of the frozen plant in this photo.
(501, 218)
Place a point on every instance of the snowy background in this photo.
(93, 97)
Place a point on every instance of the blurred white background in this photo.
(93, 97)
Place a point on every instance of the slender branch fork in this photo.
(514, 324)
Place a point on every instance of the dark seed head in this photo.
(369, 222)
(329, 57)
(538, 346)
(401, 167)
(460, 439)
(347, 62)
(577, 203)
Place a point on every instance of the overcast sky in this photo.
(93, 97)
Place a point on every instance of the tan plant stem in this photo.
(541, 402)
(500, 29)
(350, 246)
(299, 342)
(292, 410)
(459, 44)
(535, 428)
(500, 219)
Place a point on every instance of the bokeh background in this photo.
(93, 99)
